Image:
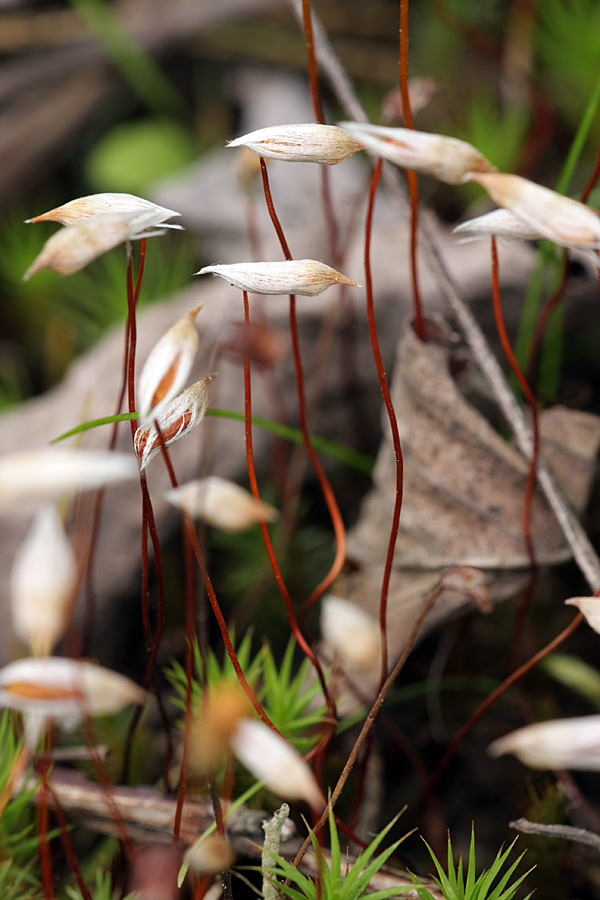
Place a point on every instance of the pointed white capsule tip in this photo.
(500, 223)
(211, 855)
(323, 144)
(221, 504)
(352, 635)
(71, 249)
(176, 418)
(66, 690)
(559, 219)
(168, 365)
(590, 607)
(96, 224)
(275, 762)
(141, 213)
(43, 581)
(307, 277)
(556, 744)
(445, 158)
(35, 476)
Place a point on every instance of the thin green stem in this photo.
(136, 66)
(354, 459)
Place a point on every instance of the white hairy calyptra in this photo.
(140, 213)
(324, 144)
(353, 635)
(168, 365)
(445, 158)
(95, 225)
(71, 249)
(35, 476)
(590, 607)
(297, 276)
(556, 744)
(559, 219)
(221, 503)
(176, 419)
(275, 762)
(499, 223)
(63, 690)
(42, 583)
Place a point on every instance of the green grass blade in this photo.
(471, 869)
(351, 458)
(578, 142)
(95, 423)
(136, 66)
(336, 856)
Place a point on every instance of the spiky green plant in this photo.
(458, 885)
(292, 701)
(337, 880)
(18, 841)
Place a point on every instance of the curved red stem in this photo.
(372, 716)
(148, 521)
(222, 624)
(332, 506)
(105, 784)
(389, 406)
(43, 843)
(313, 75)
(531, 401)
(191, 541)
(313, 78)
(67, 843)
(265, 533)
(413, 186)
(496, 694)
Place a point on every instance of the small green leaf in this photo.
(135, 155)
(96, 423)
(352, 458)
(574, 673)
(454, 887)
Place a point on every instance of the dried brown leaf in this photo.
(464, 484)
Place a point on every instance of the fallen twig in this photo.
(149, 816)
(565, 832)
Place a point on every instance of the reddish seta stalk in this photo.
(106, 785)
(43, 843)
(148, 521)
(267, 539)
(532, 474)
(90, 601)
(190, 636)
(67, 843)
(313, 75)
(313, 78)
(531, 401)
(332, 507)
(413, 187)
(190, 544)
(371, 717)
(212, 597)
(389, 406)
(496, 694)
(132, 299)
(593, 179)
